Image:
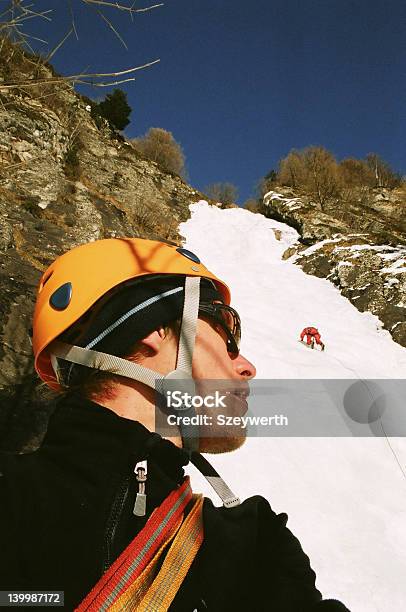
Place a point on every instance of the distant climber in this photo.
(312, 336)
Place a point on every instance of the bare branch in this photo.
(25, 16)
(110, 25)
(23, 38)
(33, 38)
(58, 46)
(6, 12)
(20, 11)
(131, 14)
(110, 74)
(101, 84)
(72, 14)
(148, 8)
(121, 7)
(76, 78)
(43, 14)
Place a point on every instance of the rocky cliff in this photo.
(64, 180)
(359, 245)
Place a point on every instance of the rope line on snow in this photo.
(383, 430)
(394, 454)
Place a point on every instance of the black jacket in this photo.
(66, 514)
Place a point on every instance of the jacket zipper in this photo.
(113, 520)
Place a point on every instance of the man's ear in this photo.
(154, 340)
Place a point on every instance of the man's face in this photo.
(212, 361)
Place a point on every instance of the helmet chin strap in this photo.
(122, 367)
(183, 372)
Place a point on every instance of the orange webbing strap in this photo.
(155, 593)
(160, 528)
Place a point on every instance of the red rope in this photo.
(139, 552)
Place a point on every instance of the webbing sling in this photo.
(147, 594)
(131, 582)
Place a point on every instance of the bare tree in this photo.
(356, 173)
(322, 174)
(160, 146)
(292, 169)
(252, 205)
(18, 13)
(313, 170)
(226, 193)
(383, 173)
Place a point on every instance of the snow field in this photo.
(345, 497)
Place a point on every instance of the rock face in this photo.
(64, 181)
(380, 213)
(360, 248)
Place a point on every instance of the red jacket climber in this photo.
(312, 335)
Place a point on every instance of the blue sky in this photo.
(241, 83)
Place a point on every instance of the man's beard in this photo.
(219, 445)
(223, 438)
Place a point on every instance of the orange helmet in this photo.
(75, 281)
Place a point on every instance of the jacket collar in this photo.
(90, 432)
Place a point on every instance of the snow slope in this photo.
(346, 497)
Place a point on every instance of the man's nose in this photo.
(245, 368)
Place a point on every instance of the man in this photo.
(102, 510)
(312, 336)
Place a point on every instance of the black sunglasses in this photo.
(230, 321)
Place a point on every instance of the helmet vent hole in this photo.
(60, 299)
(46, 279)
(188, 254)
